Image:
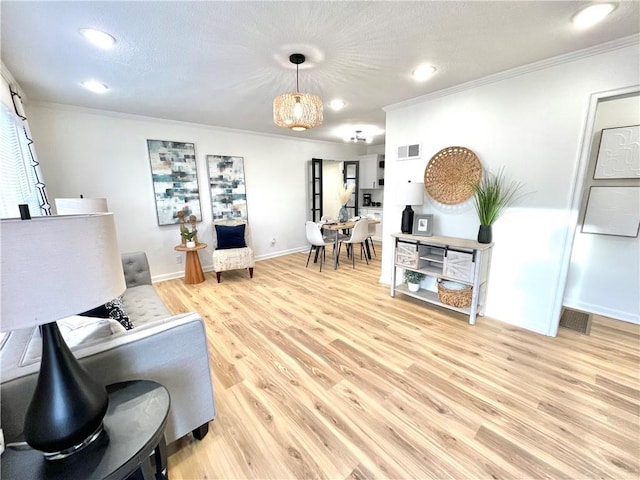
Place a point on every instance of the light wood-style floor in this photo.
(324, 375)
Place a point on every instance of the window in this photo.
(18, 181)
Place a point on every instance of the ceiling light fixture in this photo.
(297, 111)
(359, 137)
(336, 104)
(95, 86)
(591, 15)
(98, 38)
(423, 72)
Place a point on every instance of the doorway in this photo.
(325, 178)
(602, 270)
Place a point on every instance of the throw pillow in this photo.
(230, 236)
(116, 312)
(76, 330)
(98, 312)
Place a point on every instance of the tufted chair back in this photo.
(136, 269)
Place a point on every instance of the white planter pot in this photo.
(191, 244)
(413, 287)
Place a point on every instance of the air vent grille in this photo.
(409, 152)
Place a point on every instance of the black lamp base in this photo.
(66, 411)
(407, 220)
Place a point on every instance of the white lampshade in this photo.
(56, 266)
(74, 206)
(410, 193)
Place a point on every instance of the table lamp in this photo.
(409, 194)
(54, 267)
(74, 206)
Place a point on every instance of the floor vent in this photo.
(576, 320)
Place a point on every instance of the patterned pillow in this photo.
(116, 312)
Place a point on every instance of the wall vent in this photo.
(409, 152)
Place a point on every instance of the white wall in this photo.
(531, 121)
(100, 154)
(604, 274)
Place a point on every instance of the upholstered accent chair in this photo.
(231, 247)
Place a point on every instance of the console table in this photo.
(449, 258)
(192, 269)
(133, 430)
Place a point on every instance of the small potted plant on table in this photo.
(188, 236)
(413, 279)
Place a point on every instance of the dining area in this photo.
(356, 234)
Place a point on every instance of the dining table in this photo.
(336, 228)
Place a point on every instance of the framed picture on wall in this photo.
(175, 180)
(422, 225)
(227, 186)
(619, 153)
(613, 211)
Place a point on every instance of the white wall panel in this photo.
(532, 123)
(100, 154)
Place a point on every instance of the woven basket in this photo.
(450, 175)
(456, 298)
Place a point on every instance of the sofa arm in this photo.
(172, 352)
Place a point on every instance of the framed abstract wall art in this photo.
(613, 211)
(227, 185)
(619, 153)
(175, 180)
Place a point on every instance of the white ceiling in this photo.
(222, 63)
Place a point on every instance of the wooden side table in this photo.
(192, 269)
(133, 429)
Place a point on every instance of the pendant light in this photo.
(297, 111)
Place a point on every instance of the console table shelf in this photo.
(448, 258)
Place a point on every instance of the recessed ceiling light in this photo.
(94, 86)
(423, 72)
(336, 104)
(98, 38)
(591, 15)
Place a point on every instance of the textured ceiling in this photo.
(222, 63)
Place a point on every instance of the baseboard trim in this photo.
(209, 268)
(605, 312)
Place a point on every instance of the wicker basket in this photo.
(450, 175)
(456, 298)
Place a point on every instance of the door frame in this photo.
(580, 173)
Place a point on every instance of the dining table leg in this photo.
(336, 252)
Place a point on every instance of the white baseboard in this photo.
(605, 312)
(209, 268)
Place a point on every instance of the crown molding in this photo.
(624, 42)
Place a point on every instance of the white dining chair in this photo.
(372, 232)
(317, 241)
(359, 235)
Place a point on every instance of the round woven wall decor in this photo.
(450, 175)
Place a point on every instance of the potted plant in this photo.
(188, 235)
(413, 279)
(491, 195)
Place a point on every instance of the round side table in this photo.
(133, 430)
(192, 269)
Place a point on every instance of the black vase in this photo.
(484, 234)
